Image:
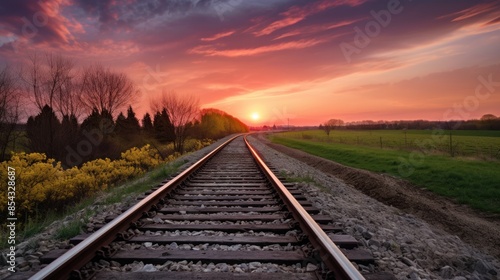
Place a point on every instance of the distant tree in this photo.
(181, 111)
(69, 130)
(121, 124)
(326, 128)
(128, 127)
(67, 137)
(50, 81)
(147, 124)
(106, 90)
(331, 124)
(49, 85)
(215, 124)
(96, 119)
(488, 117)
(211, 125)
(97, 129)
(9, 110)
(163, 128)
(41, 130)
(489, 121)
(133, 126)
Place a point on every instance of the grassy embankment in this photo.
(110, 196)
(472, 181)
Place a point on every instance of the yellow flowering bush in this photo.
(192, 145)
(36, 180)
(42, 184)
(143, 158)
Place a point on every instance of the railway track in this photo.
(228, 216)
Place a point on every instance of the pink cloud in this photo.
(218, 36)
(316, 29)
(493, 21)
(296, 14)
(56, 21)
(212, 51)
(471, 11)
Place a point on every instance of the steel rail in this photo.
(82, 253)
(334, 259)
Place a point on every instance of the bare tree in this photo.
(105, 90)
(326, 128)
(181, 111)
(9, 110)
(34, 80)
(50, 82)
(330, 125)
(58, 81)
(67, 99)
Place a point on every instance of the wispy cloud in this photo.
(218, 36)
(315, 29)
(493, 21)
(213, 51)
(296, 14)
(473, 11)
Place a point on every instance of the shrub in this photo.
(42, 183)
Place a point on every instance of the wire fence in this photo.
(462, 144)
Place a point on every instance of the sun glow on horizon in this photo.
(255, 116)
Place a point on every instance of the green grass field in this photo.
(468, 180)
(467, 143)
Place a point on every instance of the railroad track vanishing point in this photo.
(227, 216)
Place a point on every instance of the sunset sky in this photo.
(274, 61)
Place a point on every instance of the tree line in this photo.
(486, 122)
(64, 94)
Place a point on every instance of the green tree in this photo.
(215, 124)
(41, 131)
(132, 122)
(147, 124)
(97, 129)
(163, 128)
(121, 124)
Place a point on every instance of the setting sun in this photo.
(255, 116)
